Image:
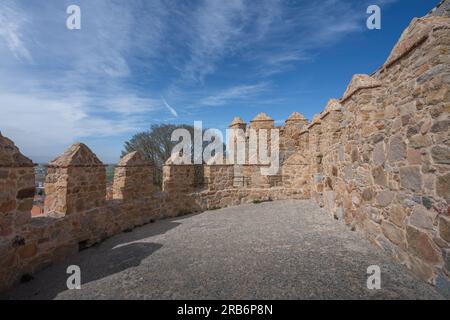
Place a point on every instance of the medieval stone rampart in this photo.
(378, 159)
(380, 156)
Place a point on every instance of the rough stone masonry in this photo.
(377, 159)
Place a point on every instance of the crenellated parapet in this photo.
(377, 160)
(182, 178)
(75, 181)
(297, 120)
(219, 177)
(16, 188)
(377, 164)
(262, 121)
(360, 82)
(238, 123)
(261, 136)
(237, 137)
(133, 178)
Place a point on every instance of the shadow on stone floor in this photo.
(114, 255)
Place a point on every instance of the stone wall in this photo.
(75, 181)
(295, 174)
(16, 186)
(377, 159)
(219, 177)
(133, 178)
(16, 200)
(77, 214)
(380, 157)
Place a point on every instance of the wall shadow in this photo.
(114, 255)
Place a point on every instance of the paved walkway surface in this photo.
(274, 250)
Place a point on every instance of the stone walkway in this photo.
(275, 250)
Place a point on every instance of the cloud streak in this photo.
(116, 75)
(77, 86)
(172, 110)
(242, 92)
(11, 23)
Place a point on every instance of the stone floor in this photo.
(274, 250)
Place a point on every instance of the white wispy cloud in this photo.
(125, 103)
(272, 35)
(49, 124)
(11, 23)
(317, 25)
(107, 79)
(172, 110)
(75, 89)
(216, 26)
(219, 29)
(241, 92)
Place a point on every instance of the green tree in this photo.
(156, 145)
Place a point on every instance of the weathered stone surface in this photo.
(386, 244)
(7, 206)
(16, 193)
(426, 126)
(25, 205)
(348, 173)
(443, 186)
(237, 121)
(379, 176)
(397, 149)
(421, 218)
(440, 126)
(384, 198)
(355, 155)
(25, 193)
(397, 215)
(443, 285)
(414, 157)
(446, 256)
(262, 121)
(441, 154)
(420, 244)
(133, 178)
(419, 141)
(10, 155)
(393, 233)
(76, 180)
(297, 119)
(427, 203)
(372, 225)
(377, 137)
(77, 155)
(444, 228)
(411, 178)
(27, 251)
(358, 82)
(367, 194)
(4, 174)
(423, 270)
(379, 154)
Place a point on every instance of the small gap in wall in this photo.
(82, 245)
(40, 171)
(26, 278)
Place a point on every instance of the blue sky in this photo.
(135, 63)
